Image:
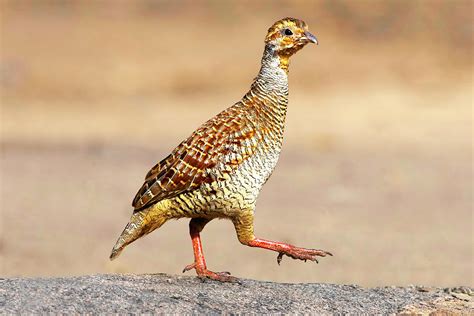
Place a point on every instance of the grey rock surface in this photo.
(160, 293)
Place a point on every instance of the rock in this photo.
(160, 293)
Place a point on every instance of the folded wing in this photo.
(222, 144)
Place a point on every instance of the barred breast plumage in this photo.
(220, 169)
(228, 159)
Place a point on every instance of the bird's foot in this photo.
(303, 254)
(217, 276)
(204, 273)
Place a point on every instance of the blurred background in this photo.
(376, 165)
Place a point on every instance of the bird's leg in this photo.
(289, 250)
(244, 228)
(196, 225)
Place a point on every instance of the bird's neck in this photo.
(269, 91)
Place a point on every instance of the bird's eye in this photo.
(288, 32)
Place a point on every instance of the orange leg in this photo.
(195, 227)
(289, 250)
(244, 228)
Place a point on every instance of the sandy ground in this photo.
(376, 165)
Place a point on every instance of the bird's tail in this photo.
(126, 237)
(140, 224)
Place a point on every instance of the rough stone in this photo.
(160, 293)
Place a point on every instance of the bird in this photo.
(219, 170)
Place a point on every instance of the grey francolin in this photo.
(220, 169)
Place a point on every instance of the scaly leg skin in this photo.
(244, 228)
(195, 227)
(289, 250)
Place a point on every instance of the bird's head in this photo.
(288, 36)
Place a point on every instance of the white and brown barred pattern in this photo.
(250, 129)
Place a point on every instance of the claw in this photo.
(189, 267)
(303, 254)
(279, 257)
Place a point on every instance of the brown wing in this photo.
(191, 164)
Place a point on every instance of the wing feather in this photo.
(191, 163)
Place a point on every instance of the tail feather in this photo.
(115, 253)
(139, 225)
(124, 239)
